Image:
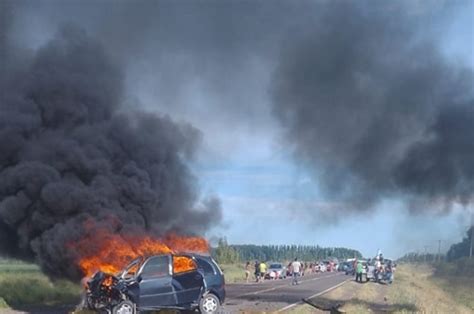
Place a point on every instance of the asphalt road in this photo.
(268, 296)
(279, 295)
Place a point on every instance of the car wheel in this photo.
(124, 307)
(209, 304)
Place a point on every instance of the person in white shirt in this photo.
(296, 269)
(378, 268)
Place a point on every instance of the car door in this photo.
(213, 276)
(209, 273)
(187, 282)
(155, 286)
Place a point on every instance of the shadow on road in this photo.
(334, 306)
(278, 295)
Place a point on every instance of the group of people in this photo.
(260, 271)
(322, 267)
(383, 270)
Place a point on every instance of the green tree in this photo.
(225, 254)
(288, 252)
(462, 248)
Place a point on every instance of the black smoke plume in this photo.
(368, 101)
(72, 152)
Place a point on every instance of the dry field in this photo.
(415, 289)
(23, 286)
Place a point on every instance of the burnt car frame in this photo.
(153, 283)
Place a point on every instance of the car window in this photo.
(130, 273)
(131, 269)
(157, 266)
(275, 266)
(205, 266)
(183, 264)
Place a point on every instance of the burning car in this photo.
(166, 281)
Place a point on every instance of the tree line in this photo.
(417, 257)
(461, 249)
(456, 251)
(225, 253)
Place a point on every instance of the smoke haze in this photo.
(375, 109)
(361, 97)
(70, 154)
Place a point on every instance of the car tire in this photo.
(209, 303)
(124, 307)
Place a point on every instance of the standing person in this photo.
(296, 269)
(359, 272)
(247, 271)
(389, 273)
(263, 270)
(257, 271)
(378, 268)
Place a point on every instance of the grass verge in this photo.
(24, 285)
(415, 289)
(457, 280)
(234, 273)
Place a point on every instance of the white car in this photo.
(276, 271)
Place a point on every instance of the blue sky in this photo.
(267, 196)
(272, 204)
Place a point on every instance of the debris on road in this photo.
(324, 306)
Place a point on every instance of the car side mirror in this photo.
(139, 278)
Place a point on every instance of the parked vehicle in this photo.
(322, 268)
(169, 281)
(276, 271)
(349, 269)
(344, 266)
(370, 272)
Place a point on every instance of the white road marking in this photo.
(281, 286)
(313, 296)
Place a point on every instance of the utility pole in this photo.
(439, 251)
(472, 233)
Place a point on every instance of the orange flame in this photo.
(182, 264)
(110, 252)
(108, 281)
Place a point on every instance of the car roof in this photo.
(207, 256)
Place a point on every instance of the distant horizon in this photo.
(339, 124)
